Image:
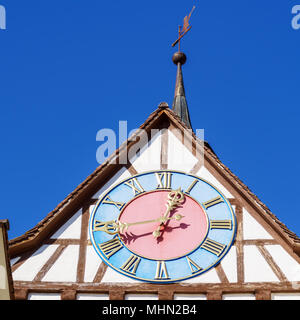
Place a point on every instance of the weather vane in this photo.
(182, 31)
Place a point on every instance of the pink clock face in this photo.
(177, 238)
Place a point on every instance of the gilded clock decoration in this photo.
(162, 226)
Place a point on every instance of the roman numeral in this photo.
(110, 247)
(163, 180)
(98, 225)
(131, 264)
(161, 271)
(109, 227)
(135, 186)
(212, 202)
(191, 186)
(193, 265)
(221, 224)
(213, 246)
(108, 200)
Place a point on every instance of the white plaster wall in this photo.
(256, 267)
(65, 267)
(71, 229)
(115, 277)
(43, 296)
(91, 208)
(92, 264)
(206, 175)
(122, 174)
(288, 265)
(285, 296)
(29, 269)
(210, 276)
(92, 296)
(149, 158)
(238, 296)
(189, 296)
(179, 157)
(229, 265)
(142, 296)
(252, 229)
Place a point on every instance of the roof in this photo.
(157, 119)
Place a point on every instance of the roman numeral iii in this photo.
(221, 224)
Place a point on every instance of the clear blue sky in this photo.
(70, 68)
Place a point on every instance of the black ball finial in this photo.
(179, 57)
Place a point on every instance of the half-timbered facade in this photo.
(56, 259)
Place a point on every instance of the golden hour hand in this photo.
(114, 227)
(175, 198)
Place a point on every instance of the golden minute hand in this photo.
(175, 198)
(113, 227)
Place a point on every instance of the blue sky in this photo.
(70, 68)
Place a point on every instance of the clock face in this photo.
(162, 226)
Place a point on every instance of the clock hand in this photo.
(114, 227)
(177, 217)
(175, 198)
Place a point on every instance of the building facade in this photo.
(6, 283)
(78, 251)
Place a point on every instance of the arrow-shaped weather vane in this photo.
(182, 31)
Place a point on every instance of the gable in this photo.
(263, 252)
(253, 229)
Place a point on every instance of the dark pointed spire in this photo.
(179, 103)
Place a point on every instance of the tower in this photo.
(173, 222)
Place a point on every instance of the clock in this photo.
(162, 226)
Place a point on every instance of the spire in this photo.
(179, 103)
(179, 58)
